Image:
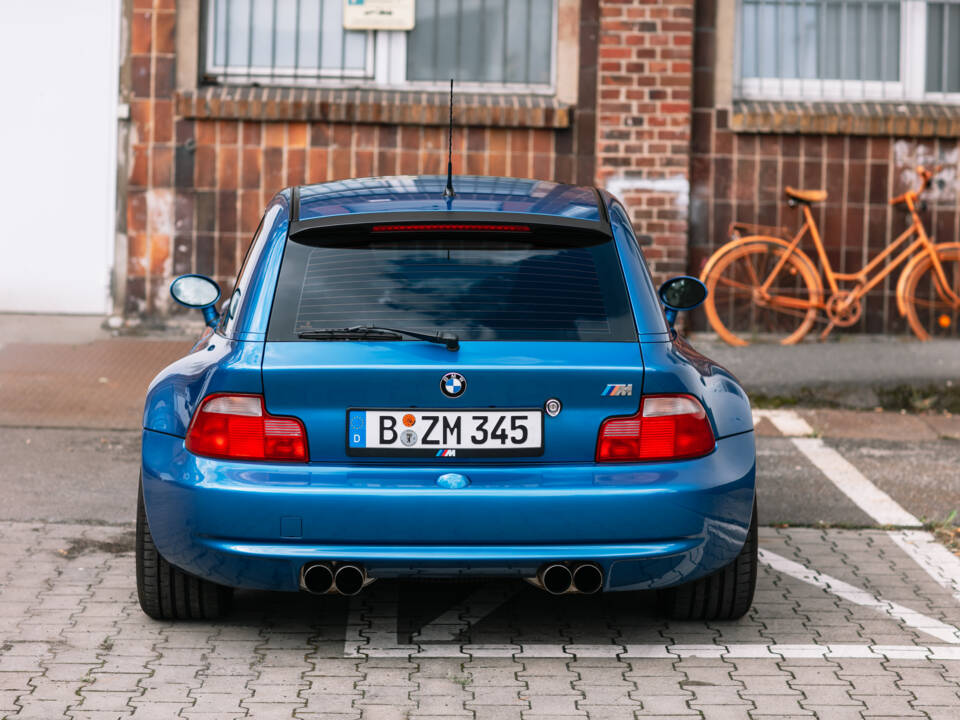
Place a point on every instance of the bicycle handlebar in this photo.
(925, 177)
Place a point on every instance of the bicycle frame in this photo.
(865, 283)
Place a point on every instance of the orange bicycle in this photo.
(763, 284)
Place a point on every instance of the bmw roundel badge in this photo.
(453, 384)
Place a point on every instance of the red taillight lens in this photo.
(240, 428)
(668, 427)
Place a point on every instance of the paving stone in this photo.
(934, 695)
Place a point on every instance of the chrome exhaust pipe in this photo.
(587, 578)
(317, 578)
(349, 579)
(556, 579)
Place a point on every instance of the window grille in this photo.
(482, 41)
(283, 41)
(849, 49)
(498, 45)
(943, 47)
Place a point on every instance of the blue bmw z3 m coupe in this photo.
(410, 384)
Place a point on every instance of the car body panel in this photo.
(214, 365)
(318, 381)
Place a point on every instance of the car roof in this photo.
(477, 196)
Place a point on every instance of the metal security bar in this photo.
(943, 47)
(283, 42)
(485, 45)
(483, 41)
(848, 49)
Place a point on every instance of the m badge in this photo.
(617, 391)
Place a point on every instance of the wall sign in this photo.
(378, 14)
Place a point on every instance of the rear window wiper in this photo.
(365, 332)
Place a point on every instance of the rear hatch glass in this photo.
(482, 286)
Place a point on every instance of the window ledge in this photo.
(371, 106)
(846, 118)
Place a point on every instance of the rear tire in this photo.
(167, 592)
(725, 595)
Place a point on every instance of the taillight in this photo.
(239, 427)
(668, 427)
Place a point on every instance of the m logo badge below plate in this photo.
(453, 384)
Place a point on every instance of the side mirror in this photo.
(197, 291)
(681, 293)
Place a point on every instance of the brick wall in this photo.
(150, 202)
(740, 175)
(202, 163)
(643, 143)
(237, 166)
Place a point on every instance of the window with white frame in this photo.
(849, 50)
(495, 45)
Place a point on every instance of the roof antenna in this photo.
(448, 192)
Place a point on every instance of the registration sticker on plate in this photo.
(445, 433)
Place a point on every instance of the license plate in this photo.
(445, 433)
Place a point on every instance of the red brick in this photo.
(274, 134)
(205, 168)
(162, 121)
(159, 254)
(136, 255)
(251, 133)
(139, 164)
(227, 168)
(206, 132)
(252, 167)
(250, 210)
(141, 33)
(273, 170)
(166, 37)
(228, 132)
(161, 174)
(341, 164)
(317, 164)
(297, 135)
(296, 166)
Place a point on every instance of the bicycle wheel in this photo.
(931, 312)
(734, 307)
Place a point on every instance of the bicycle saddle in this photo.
(806, 196)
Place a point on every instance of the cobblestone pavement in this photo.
(846, 624)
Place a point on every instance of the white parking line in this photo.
(868, 497)
(851, 482)
(850, 593)
(658, 651)
(939, 563)
(786, 421)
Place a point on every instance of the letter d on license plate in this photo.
(445, 433)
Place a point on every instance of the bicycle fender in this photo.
(909, 268)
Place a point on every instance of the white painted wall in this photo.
(58, 145)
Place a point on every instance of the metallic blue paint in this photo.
(649, 525)
(424, 194)
(319, 381)
(223, 520)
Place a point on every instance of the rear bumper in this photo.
(254, 525)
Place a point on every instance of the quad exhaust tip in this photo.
(565, 578)
(321, 578)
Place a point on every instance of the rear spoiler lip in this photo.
(361, 221)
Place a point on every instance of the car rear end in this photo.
(531, 447)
